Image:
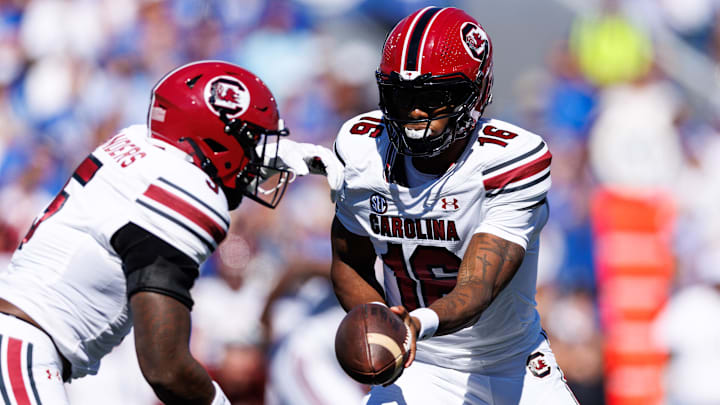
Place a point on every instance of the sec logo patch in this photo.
(378, 204)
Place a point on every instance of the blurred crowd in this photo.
(620, 107)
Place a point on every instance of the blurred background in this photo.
(624, 91)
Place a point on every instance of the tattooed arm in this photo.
(489, 264)
(162, 334)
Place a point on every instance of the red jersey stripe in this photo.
(87, 169)
(372, 119)
(14, 368)
(529, 169)
(187, 210)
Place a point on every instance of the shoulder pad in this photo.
(359, 136)
(513, 159)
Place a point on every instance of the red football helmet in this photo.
(218, 113)
(434, 58)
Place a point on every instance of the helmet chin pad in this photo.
(421, 142)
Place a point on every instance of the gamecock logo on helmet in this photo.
(475, 41)
(226, 93)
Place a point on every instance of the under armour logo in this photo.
(450, 204)
(56, 375)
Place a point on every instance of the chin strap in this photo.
(239, 130)
(205, 164)
(465, 125)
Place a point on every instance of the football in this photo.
(371, 344)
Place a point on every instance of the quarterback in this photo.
(121, 244)
(453, 204)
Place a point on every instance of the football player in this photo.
(121, 244)
(453, 204)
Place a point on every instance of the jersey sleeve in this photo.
(185, 212)
(516, 183)
(515, 222)
(346, 215)
(356, 139)
(355, 142)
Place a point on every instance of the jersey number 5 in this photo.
(83, 174)
(431, 275)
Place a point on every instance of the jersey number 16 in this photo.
(431, 274)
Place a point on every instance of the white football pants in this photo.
(30, 364)
(534, 380)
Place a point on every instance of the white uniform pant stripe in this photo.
(30, 366)
(3, 390)
(18, 383)
(31, 379)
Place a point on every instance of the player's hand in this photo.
(413, 325)
(306, 158)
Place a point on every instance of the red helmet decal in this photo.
(227, 93)
(475, 41)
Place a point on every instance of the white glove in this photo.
(304, 158)
(220, 398)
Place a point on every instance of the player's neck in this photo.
(441, 163)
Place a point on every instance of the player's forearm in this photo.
(489, 265)
(188, 384)
(162, 331)
(462, 307)
(352, 270)
(351, 289)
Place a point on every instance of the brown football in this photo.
(371, 344)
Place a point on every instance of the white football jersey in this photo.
(497, 186)
(67, 276)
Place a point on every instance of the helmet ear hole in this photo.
(214, 145)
